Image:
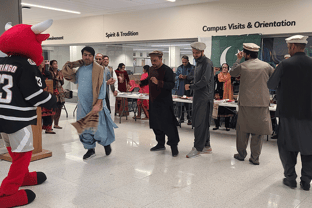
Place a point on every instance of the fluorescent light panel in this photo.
(171, 0)
(51, 8)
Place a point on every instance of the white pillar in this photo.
(174, 56)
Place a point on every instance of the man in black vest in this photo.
(292, 79)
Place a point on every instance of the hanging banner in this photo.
(224, 48)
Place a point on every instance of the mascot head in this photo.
(25, 40)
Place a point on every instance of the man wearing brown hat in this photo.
(254, 101)
(292, 79)
(162, 118)
(203, 89)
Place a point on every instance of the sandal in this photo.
(50, 132)
(58, 127)
(145, 118)
(135, 117)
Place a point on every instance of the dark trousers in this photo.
(227, 122)
(201, 131)
(289, 161)
(47, 122)
(182, 108)
(172, 134)
(202, 136)
(107, 102)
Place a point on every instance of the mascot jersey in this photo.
(21, 85)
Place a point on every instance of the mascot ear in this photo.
(8, 26)
(42, 37)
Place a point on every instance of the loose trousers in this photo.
(289, 161)
(173, 136)
(201, 131)
(242, 142)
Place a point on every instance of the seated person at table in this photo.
(224, 90)
(143, 104)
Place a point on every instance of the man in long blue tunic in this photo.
(104, 134)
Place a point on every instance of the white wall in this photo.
(185, 22)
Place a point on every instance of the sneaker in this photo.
(206, 150)
(304, 185)
(193, 153)
(174, 151)
(238, 157)
(90, 153)
(158, 148)
(107, 149)
(290, 183)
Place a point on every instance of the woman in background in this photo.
(143, 104)
(123, 86)
(58, 91)
(224, 90)
(47, 114)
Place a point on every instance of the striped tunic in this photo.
(21, 92)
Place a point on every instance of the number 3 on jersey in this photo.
(6, 88)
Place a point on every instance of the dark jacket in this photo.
(293, 81)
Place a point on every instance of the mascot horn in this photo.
(21, 92)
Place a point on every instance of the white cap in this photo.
(251, 47)
(287, 56)
(198, 46)
(297, 39)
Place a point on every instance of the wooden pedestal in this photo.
(38, 152)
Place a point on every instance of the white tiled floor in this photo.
(132, 176)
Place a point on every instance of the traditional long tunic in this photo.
(254, 97)
(203, 89)
(254, 101)
(104, 134)
(292, 79)
(161, 112)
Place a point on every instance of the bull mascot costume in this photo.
(21, 92)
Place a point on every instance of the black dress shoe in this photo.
(290, 183)
(305, 186)
(174, 151)
(227, 129)
(158, 148)
(107, 149)
(90, 153)
(216, 128)
(238, 157)
(255, 163)
(275, 136)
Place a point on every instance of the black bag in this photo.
(233, 120)
(68, 94)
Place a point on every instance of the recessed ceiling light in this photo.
(172, 0)
(51, 8)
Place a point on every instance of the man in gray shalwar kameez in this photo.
(254, 101)
(293, 81)
(203, 89)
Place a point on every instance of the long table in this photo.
(136, 96)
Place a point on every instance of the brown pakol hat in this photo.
(251, 47)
